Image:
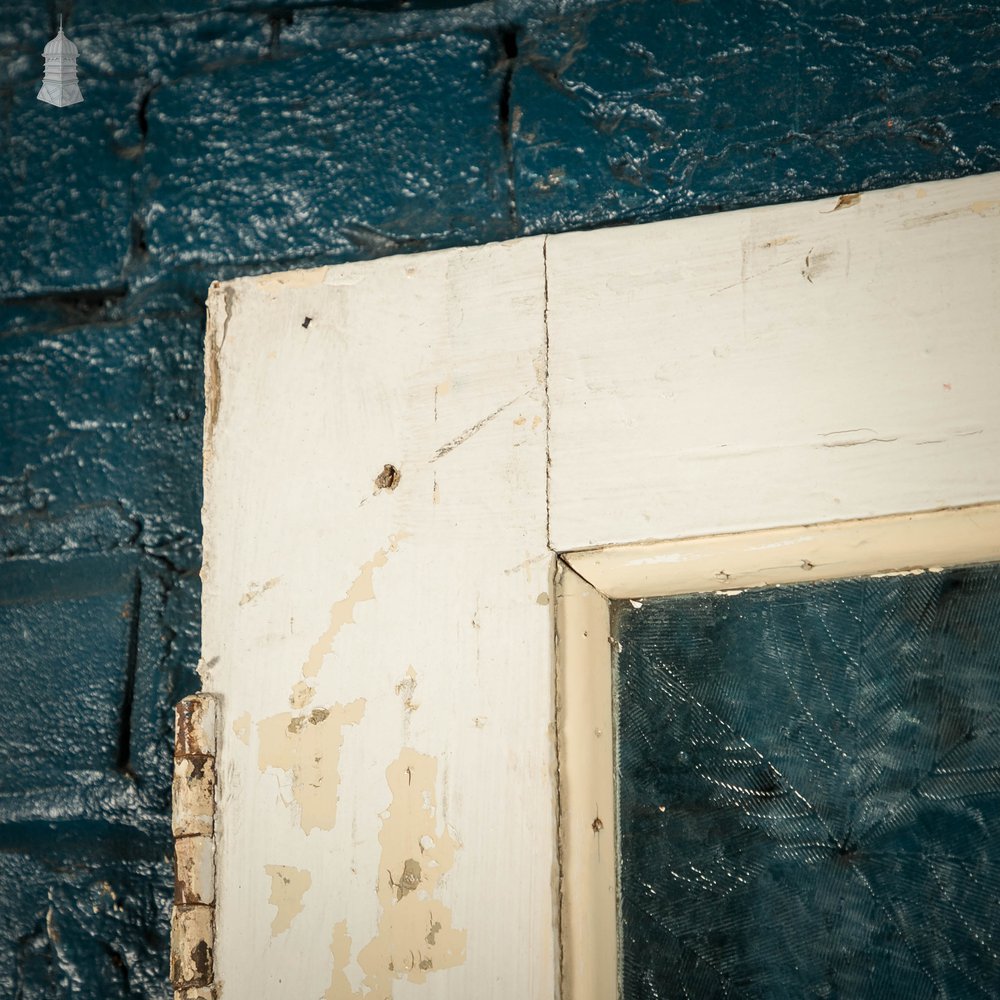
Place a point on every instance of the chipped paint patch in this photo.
(241, 728)
(406, 688)
(192, 959)
(220, 302)
(305, 278)
(192, 927)
(388, 478)
(847, 201)
(288, 886)
(193, 797)
(195, 993)
(195, 722)
(985, 208)
(302, 694)
(340, 986)
(415, 935)
(306, 746)
(256, 589)
(342, 612)
(410, 878)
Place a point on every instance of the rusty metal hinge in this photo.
(192, 926)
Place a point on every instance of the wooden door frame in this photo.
(588, 580)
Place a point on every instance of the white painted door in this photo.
(382, 641)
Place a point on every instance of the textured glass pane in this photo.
(810, 791)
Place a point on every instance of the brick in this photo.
(74, 923)
(327, 155)
(118, 632)
(67, 628)
(104, 438)
(65, 178)
(632, 114)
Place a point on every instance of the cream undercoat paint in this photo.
(288, 886)
(305, 746)
(875, 546)
(342, 612)
(588, 802)
(302, 694)
(340, 987)
(785, 366)
(416, 934)
(241, 728)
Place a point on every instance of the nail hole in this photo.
(388, 478)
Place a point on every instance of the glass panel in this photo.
(809, 790)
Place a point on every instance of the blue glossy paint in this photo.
(639, 111)
(219, 140)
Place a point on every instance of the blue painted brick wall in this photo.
(220, 139)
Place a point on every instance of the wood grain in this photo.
(783, 365)
(383, 649)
